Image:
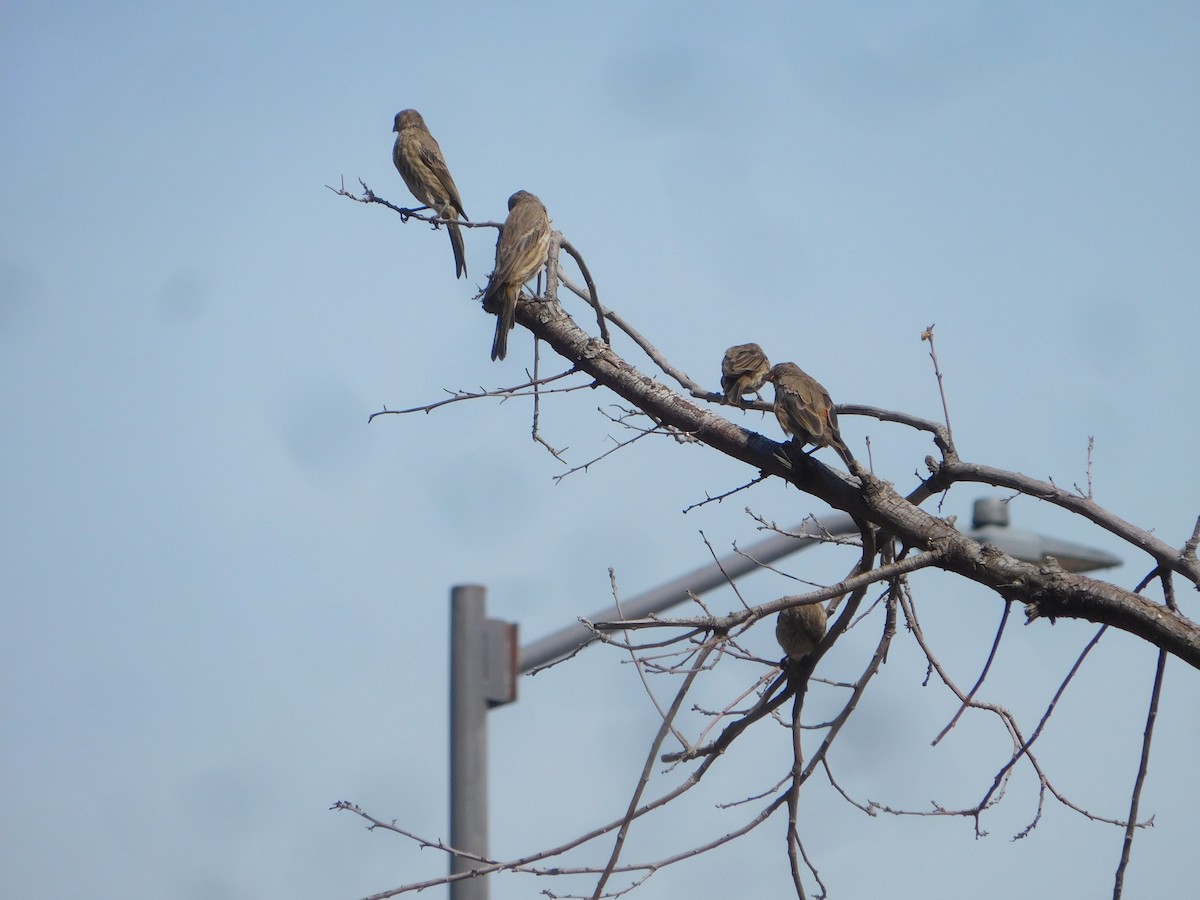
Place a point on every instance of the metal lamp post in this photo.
(485, 657)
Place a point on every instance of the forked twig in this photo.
(617, 445)
(982, 675)
(520, 390)
(637, 663)
(647, 768)
(406, 213)
(536, 433)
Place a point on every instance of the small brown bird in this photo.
(799, 629)
(805, 411)
(419, 161)
(520, 254)
(743, 371)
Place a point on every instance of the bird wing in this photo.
(744, 368)
(804, 410)
(431, 156)
(739, 359)
(522, 245)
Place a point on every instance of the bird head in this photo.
(407, 117)
(520, 197)
(779, 370)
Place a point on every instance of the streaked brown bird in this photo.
(805, 411)
(799, 629)
(743, 371)
(419, 161)
(520, 254)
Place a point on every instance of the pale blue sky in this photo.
(224, 595)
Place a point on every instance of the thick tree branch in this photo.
(1167, 556)
(1046, 590)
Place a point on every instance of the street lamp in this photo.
(989, 525)
(485, 657)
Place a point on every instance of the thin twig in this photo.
(1143, 767)
(593, 296)
(537, 406)
(821, 533)
(1088, 495)
(637, 664)
(520, 390)
(927, 335)
(794, 844)
(685, 381)
(708, 498)
(617, 446)
(552, 664)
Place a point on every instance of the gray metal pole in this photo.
(468, 736)
(566, 640)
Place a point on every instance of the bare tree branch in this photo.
(1046, 590)
(982, 675)
(952, 472)
(893, 526)
(631, 812)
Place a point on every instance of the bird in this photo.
(743, 371)
(420, 162)
(520, 254)
(799, 629)
(805, 411)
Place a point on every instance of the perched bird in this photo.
(799, 629)
(520, 254)
(743, 371)
(805, 411)
(419, 161)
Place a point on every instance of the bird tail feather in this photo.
(460, 252)
(504, 324)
